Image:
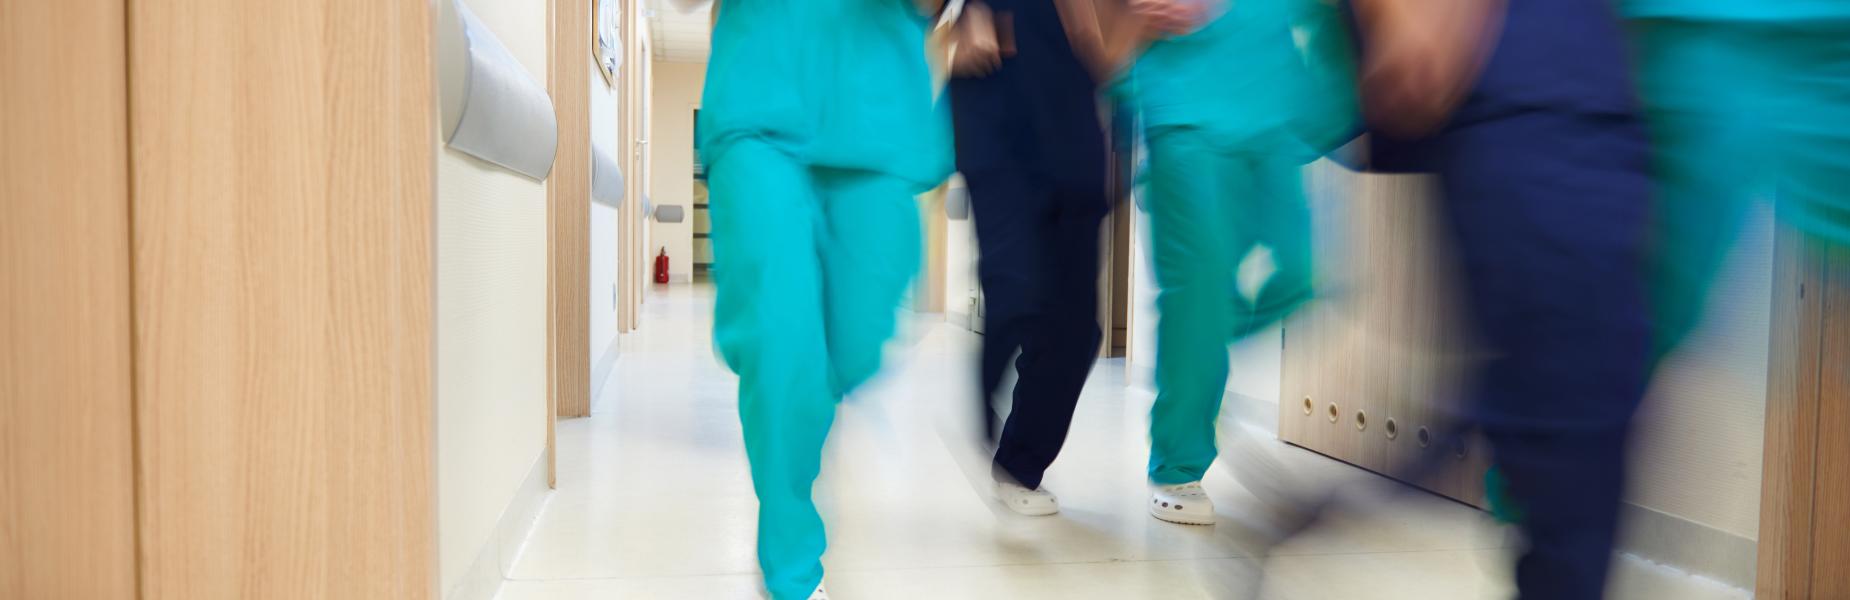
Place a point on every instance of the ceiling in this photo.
(679, 36)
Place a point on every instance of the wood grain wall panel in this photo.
(1304, 346)
(1294, 381)
(1383, 341)
(1395, 364)
(1831, 495)
(1381, 270)
(1792, 414)
(283, 189)
(568, 210)
(1342, 386)
(67, 501)
(1413, 377)
(928, 291)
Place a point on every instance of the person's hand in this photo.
(1170, 17)
(981, 42)
(1421, 58)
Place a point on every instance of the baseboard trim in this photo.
(680, 277)
(496, 558)
(1686, 545)
(600, 371)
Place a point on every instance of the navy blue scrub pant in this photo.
(1549, 211)
(1039, 247)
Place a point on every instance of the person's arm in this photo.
(978, 42)
(1420, 58)
(1100, 51)
(1108, 34)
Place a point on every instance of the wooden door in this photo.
(282, 216)
(67, 501)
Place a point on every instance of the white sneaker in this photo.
(1186, 504)
(1034, 503)
(820, 594)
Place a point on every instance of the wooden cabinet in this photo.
(1366, 366)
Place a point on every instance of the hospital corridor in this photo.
(924, 299)
(663, 504)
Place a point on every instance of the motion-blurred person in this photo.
(1527, 115)
(1741, 96)
(1734, 92)
(819, 127)
(1032, 152)
(1231, 110)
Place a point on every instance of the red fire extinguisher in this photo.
(661, 266)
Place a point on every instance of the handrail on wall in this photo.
(492, 108)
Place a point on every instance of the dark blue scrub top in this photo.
(1038, 112)
(1558, 56)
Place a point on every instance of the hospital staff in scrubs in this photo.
(1531, 124)
(1032, 152)
(1746, 100)
(1230, 112)
(818, 126)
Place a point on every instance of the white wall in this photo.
(1142, 349)
(604, 231)
(675, 94)
(491, 323)
(1700, 435)
(960, 282)
(1255, 364)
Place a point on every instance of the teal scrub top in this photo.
(1268, 75)
(1737, 10)
(835, 83)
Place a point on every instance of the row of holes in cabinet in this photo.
(1391, 428)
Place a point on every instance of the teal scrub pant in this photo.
(1738, 112)
(812, 265)
(1812, 131)
(1704, 89)
(1210, 209)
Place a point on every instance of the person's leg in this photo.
(1061, 343)
(768, 324)
(1550, 214)
(870, 253)
(1702, 88)
(1188, 185)
(1010, 213)
(1273, 218)
(1570, 485)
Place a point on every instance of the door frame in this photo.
(1806, 470)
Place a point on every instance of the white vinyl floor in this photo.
(654, 500)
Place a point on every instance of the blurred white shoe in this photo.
(1186, 504)
(1033, 503)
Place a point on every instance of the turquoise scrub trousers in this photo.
(1224, 191)
(1744, 101)
(1211, 211)
(819, 126)
(816, 261)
